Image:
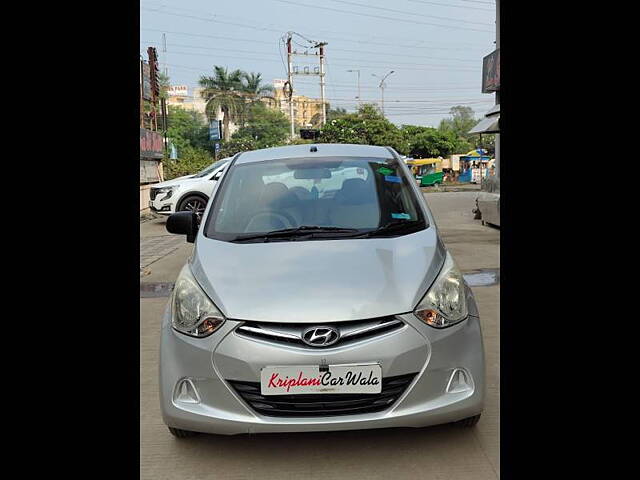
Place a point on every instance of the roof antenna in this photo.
(314, 148)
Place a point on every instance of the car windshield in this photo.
(211, 168)
(318, 197)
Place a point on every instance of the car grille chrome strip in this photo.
(291, 333)
(267, 332)
(321, 405)
(371, 328)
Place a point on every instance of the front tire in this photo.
(178, 433)
(193, 203)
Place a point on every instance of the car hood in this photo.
(173, 181)
(318, 281)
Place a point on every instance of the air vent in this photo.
(322, 405)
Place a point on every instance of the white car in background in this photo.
(190, 192)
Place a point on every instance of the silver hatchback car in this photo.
(319, 296)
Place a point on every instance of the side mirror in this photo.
(217, 175)
(183, 223)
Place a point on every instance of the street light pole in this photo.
(359, 98)
(382, 85)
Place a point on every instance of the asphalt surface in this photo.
(440, 452)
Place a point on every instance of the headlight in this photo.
(193, 313)
(167, 190)
(445, 303)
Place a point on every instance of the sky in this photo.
(434, 47)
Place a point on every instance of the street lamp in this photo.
(358, 71)
(382, 87)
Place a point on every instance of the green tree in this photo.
(252, 84)
(333, 113)
(267, 127)
(367, 126)
(254, 89)
(165, 83)
(428, 142)
(237, 145)
(461, 121)
(187, 128)
(224, 91)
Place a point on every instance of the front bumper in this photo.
(163, 207)
(416, 348)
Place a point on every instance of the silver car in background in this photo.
(319, 296)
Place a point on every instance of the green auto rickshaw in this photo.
(428, 171)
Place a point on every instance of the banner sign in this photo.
(146, 80)
(178, 91)
(151, 144)
(491, 72)
(215, 130)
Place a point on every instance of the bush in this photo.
(236, 145)
(191, 160)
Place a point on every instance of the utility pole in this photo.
(319, 71)
(359, 98)
(290, 82)
(324, 105)
(382, 85)
(164, 54)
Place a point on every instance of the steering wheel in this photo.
(286, 219)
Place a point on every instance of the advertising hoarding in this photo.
(146, 80)
(151, 144)
(491, 72)
(178, 91)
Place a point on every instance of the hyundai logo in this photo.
(320, 336)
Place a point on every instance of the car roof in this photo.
(319, 150)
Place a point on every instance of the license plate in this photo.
(306, 379)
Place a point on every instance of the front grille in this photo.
(291, 333)
(322, 405)
(152, 193)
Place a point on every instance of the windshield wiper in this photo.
(398, 226)
(294, 232)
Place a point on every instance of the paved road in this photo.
(441, 452)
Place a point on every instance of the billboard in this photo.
(151, 144)
(491, 72)
(178, 91)
(145, 72)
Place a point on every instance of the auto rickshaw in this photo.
(428, 171)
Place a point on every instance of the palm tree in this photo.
(253, 84)
(223, 91)
(254, 88)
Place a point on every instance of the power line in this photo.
(388, 43)
(336, 49)
(339, 58)
(310, 6)
(452, 6)
(349, 61)
(449, 19)
(453, 27)
(477, 1)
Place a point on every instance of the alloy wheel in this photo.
(196, 205)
